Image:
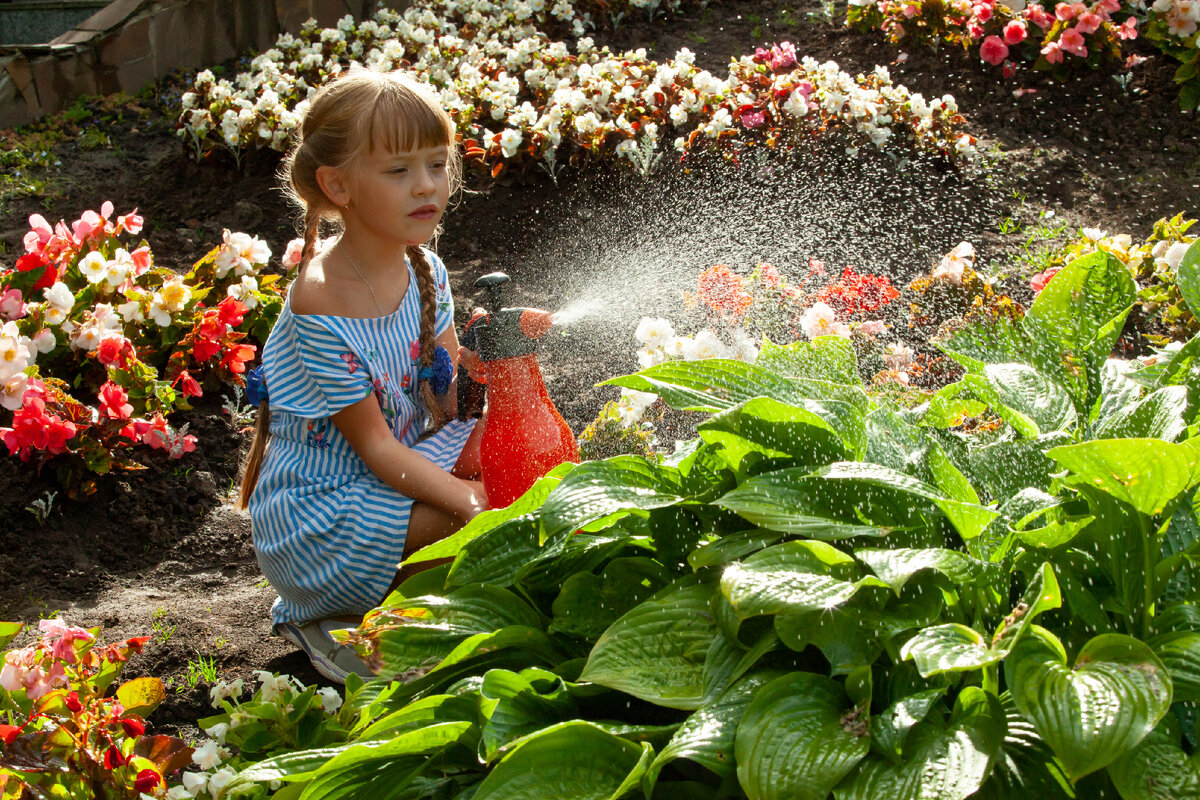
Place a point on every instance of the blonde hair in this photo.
(349, 117)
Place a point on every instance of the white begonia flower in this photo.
(218, 731)
(1175, 253)
(243, 291)
(59, 302)
(118, 268)
(44, 341)
(821, 320)
(744, 347)
(195, 782)
(1093, 234)
(627, 149)
(242, 253)
(510, 142)
(87, 338)
(219, 780)
(897, 356)
(650, 356)
(1160, 248)
(12, 390)
(632, 406)
(159, 312)
(179, 793)
(654, 331)
(207, 755)
(954, 263)
(706, 344)
(331, 700)
(14, 351)
(173, 295)
(679, 114)
(131, 311)
(93, 266)
(797, 104)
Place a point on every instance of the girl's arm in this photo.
(404, 469)
(449, 401)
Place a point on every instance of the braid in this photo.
(312, 226)
(424, 273)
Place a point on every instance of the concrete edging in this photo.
(130, 43)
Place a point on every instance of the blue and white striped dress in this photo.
(328, 533)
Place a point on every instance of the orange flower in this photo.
(724, 292)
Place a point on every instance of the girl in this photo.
(363, 467)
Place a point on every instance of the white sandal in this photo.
(334, 661)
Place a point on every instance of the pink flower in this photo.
(114, 402)
(1039, 16)
(39, 233)
(752, 119)
(1108, 6)
(993, 50)
(130, 222)
(1039, 281)
(1009, 70)
(12, 305)
(113, 349)
(1127, 30)
(910, 10)
(1053, 53)
(291, 256)
(62, 637)
(1014, 32)
(86, 225)
(783, 56)
(983, 13)
(975, 31)
(1067, 11)
(1088, 23)
(1072, 42)
(141, 260)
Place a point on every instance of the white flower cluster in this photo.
(1182, 17)
(18, 352)
(514, 92)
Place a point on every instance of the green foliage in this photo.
(822, 593)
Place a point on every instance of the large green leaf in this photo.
(657, 650)
(9, 631)
(1179, 652)
(1023, 389)
(574, 759)
(827, 358)
(794, 501)
(607, 490)
(710, 384)
(1157, 769)
(521, 703)
(956, 648)
(731, 547)
(808, 432)
(1026, 767)
(1159, 415)
(793, 576)
(949, 763)
(1188, 278)
(798, 738)
(588, 603)
(1099, 709)
(1145, 473)
(890, 728)
(706, 737)
(896, 566)
(1117, 391)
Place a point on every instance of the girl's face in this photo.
(402, 195)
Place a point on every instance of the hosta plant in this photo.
(98, 345)
(822, 594)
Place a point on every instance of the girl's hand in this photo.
(474, 501)
(473, 364)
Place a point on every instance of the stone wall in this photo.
(130, 43)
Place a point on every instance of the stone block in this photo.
(132, 76)
(113, 15)
(255, 25)
(14, 111)
(131, 42)
(291, 14)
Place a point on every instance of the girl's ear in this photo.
(334, 184)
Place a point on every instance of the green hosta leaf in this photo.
(890, 729)
(957, 648)
(588, 603)
(794, 576)
(1026, 766)
(497, 555)
(521, 704)
(573, 759)
(711, 384)
(1179, 652)
(895, 567)
(798, 739)
(1036, 397)
(1188, 278)
(940, 763)
(1157, 769)
(1145, 473)
(793, 501)
(419, 714)
(827, 358)
(9, 631)
(732, 547)
(779, 430)
(847, 636)
(706, 737)
(657, 651)
(297, 765)
(1098, 710)
(607, 490)
(1117, 391)
(1159, 415)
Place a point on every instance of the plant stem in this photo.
(1148, 563)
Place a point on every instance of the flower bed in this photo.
(522, 99)
(98, 345)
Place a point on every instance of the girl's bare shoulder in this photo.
(316, 292)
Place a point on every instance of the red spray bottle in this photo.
(524, 436)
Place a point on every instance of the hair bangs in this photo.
(403, 121)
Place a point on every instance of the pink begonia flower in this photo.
(872, 327)
(1072, 42)
(1088, 23)
(975, 31)
(38, 682)
(1014, 32)
(983, 13)
(1009, 70)
(1069, 11)
(1128, 30)
(39, 233)
(291, 256)
(783, 56)
(1039, 16)
(12, 304)
(752, 119)
(141, 260)
(993, 50)
(1039, 281)
(62, 637)
(114, 402)
(1108, 6)
(1053, 53)
(131, 222)
(106, 209)
(910, 10)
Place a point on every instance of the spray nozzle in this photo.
(504, 332)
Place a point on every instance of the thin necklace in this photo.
(363, 278)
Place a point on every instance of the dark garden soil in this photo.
(162, 552)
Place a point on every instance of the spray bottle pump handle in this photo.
(493, 284)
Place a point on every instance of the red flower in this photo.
(993, 50)
(113, 758)
(114, 402)
(188, 386)
(33, 261)
(133, 728)
(231, 311)
(73, 703)
(723, 291)
(236, 357)
(146, 781)
(114, 349)
(1039, 281)
(854, 293)
(9, 733)
(136, 643)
